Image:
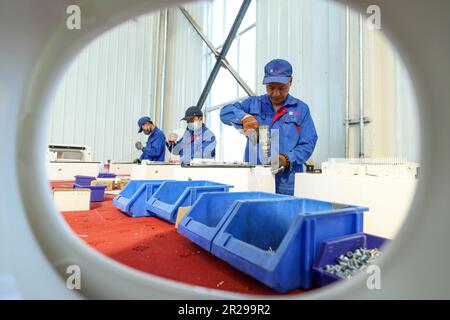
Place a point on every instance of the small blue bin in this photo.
(106, 176)
(331, 249)
(84, 180)
(275, 241)
(208, 214)
(97, 192)
(133, 198)
(172, 195)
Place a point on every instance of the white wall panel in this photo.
(106, 89)
(186, 64)
(311, 34)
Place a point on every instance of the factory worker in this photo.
(155, 149)
(288, 119)
(198, 142)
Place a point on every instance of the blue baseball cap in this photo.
(279, 71)
(143, 121)
(192, 112)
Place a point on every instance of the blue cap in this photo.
(192, 112)
(277, 71)
(143, 121)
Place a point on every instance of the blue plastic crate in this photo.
(97, 192)
(172, 195)
(208, 214)
(275, 241)
(133, 198)
(84, 180)
(331, 249)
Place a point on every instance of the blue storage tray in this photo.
(133, 198)
(331, 249)
(209, 213)
(275, 241)
(172, 195)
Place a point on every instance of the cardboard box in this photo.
(109, 183)
(181, 213)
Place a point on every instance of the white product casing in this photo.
(388, 199)
(243, 179)
(150, 171)
(121, 168)
(72, 200)
(66, 171)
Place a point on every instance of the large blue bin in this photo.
(133, 198)
(209, 213)
(172, 195)
(331, 249)
(275, 241)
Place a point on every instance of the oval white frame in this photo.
(105, 278)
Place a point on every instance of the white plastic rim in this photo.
(419, 30)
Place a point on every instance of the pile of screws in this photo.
(353, 262)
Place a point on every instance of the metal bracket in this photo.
(221, 56)
(355, 122)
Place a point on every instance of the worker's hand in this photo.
(281, 164)
(249, 122)
(173, 137)
(139, 145)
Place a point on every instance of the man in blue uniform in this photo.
(198, 142)
(282, 113)
(155, 149)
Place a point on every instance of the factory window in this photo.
(242, 57)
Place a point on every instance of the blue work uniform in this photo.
(155, 148)
(297, 133)
(195, 145)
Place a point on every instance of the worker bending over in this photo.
(198, 142)
(155, 149)
(282, 112)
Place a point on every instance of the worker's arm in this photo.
(176, 148)
(308, 139)
(155, 146)
(233, 114)
(209, 145)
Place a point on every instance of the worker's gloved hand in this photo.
(139, 145)
(173, 137)
(137, 161)
(249, 128)
(249, 122)
(281, 164)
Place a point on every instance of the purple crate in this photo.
(84, 180)
(97, 192)
(331, 249)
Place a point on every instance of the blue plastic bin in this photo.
(331, 249)
(172, 195)
(106, 176)
(275, 241)
(133, 198)
(208, 214)
(84, 180)
(97, 192)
